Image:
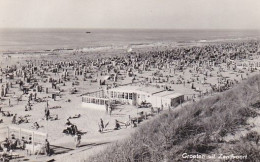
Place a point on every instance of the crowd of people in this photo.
(197, 59)
(13, 143)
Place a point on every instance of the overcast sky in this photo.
(170, 14)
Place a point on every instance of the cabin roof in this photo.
(168, 94)
(137, 89)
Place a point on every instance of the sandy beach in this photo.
(80, 72)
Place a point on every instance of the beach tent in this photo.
(129, 49)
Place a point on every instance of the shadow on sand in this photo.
(60, 149)
(94, 144)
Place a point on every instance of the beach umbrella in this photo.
(106, 77)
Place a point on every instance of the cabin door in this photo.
(134, 99)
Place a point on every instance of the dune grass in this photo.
(198, 128)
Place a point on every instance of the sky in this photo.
(131, 14)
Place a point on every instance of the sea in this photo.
(49, 39)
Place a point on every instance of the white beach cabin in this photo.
(135, 95)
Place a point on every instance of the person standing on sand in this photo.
(35, 96)
(14, 119)
(36, 125)
(77, 139)
(162, 107)
(18, 98)
(47, 113)
(110, 110)
(74, 129)
(47, 148)
(101, 125)
(117, 125)
(22, 143)
(106, 108)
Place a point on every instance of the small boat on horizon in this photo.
(88, 32)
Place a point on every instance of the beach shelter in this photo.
(106, 77)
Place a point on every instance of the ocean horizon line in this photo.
(141, 29)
